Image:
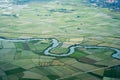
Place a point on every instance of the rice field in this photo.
(71, 22)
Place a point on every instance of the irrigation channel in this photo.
(56, 43)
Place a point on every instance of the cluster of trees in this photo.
(111, 4)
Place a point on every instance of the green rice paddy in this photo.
(71, 22)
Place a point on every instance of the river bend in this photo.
(56, 43)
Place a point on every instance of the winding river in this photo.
(56, 43)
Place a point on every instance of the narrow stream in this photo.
(56, 43)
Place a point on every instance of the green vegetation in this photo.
(59, 50)
(78, 54)
(71, 22)
(1, 45)
(52, 77)
(19, 45)
(18, 70)
(39, 46)
(112, 72)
